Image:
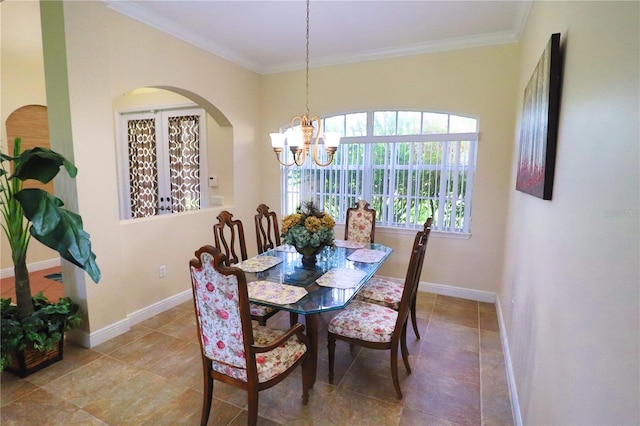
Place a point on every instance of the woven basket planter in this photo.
(31, 360)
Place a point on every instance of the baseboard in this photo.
(447, 290)
(463, 293)
(36, 266)
(159, 307)
(511, 381)
(90, 340)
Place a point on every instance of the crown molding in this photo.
(143, 15)
(399, 51)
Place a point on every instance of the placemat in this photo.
(349, 244)
(286, 248)
(341, 278)
(366, 256)
(259, 263)
(272, 292)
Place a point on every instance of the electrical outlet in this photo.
(163, 271)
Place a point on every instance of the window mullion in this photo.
(162, 146)
(390, 180)
(444, 178)
(410, 189)
(455, 193)
(469, 178)
(367, 178)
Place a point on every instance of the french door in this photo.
(163, 169)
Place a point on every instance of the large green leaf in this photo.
(58, 228)
(41, 164)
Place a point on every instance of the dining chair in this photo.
(267, 231)
(229, 239)
(389, 293)
(235, 350)
(360, 224)
(379, 327)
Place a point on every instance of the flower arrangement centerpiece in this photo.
(309, 230)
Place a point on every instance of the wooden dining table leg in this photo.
(311, 321)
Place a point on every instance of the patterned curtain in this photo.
(143, 167)
(184, 162)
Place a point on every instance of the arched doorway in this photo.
(30, 124)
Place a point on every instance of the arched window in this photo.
(409, 165)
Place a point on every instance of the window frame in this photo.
(162, 151)
(447, 139)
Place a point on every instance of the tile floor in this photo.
(50, 288)
(152, 376)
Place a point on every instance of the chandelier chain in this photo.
(307, 63)
(301, 136)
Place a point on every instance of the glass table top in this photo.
(325, 297)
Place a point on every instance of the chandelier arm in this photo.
(278, 152)
(299, 155)
(329, 159)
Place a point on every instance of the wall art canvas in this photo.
(539, 128)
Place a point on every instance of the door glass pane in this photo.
(143, 167)
(184, 162)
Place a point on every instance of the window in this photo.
(409, 165)
(162, 168)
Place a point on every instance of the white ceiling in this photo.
(268, 36)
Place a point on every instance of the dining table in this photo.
(277, 278)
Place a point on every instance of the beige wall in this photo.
(479, 82)
(567, 277)
(21, 83)
(109, 55)
(570, 291)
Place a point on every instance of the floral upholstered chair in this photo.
(229, 239)
(379, 327)
(389, 293)
(360, 223)
(236, 350)
(267, 233)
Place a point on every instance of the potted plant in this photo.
(35, 326)
(309, 230)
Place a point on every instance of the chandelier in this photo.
(301, 133)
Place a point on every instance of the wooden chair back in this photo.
(219, 334)
(229, 238)
(267, 230)
(360, 224)
(230, 345)
(412, 278)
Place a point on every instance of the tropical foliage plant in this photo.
(33, 212)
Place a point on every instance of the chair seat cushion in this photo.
(364, 321)
(269, 364)
(382, 292)
(259, 310)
